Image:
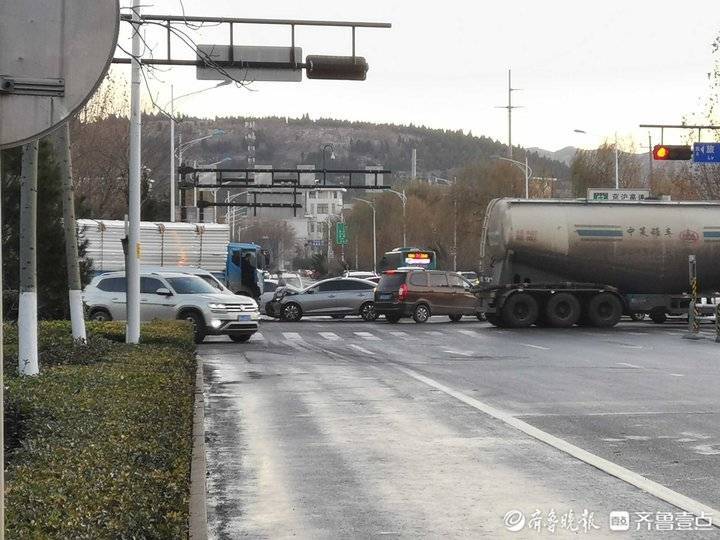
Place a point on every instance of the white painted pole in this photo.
(132, 273)
(527, 178)
(404, 201)
(172, 155)
(27, 316)
(77, 314)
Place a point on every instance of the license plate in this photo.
(386, 296)
(245, 317)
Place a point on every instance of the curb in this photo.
(198, 485)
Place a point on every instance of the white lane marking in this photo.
(459, 353)
(535, 346)
(433, 333)
(292, 336)
(636, 333)
(364, 351)
(631, 346)
(628, 365)
(676, 375)
(367, 336)
(330, 336)
(469, 333)
(257, 336)
(653, 488)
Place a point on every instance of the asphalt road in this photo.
(345, 429)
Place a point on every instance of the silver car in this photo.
(169, 295)
(336, 297)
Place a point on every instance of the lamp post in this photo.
(403, 198)
(332, 156)
(230, 217)
(184, 146)
(617, 161)
(172, 139)
(372, 205)
(524, 167)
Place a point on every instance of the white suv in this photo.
(171, 295)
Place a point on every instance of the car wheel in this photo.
(455, 318)
(291, 312)
(481, 317)
(562, 310)
(240, 338)
(392, 319)
(520, 310)
(198, 324)
(604, 310)
(421, 313)
(100, 315)
(367, 312)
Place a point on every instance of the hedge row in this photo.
(99, 445)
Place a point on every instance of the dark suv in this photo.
(421, 294)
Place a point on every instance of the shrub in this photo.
(99, 444)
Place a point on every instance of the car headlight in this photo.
(217, 306)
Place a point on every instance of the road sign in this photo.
(613, 195)
(53, 55)
(340, 234)
(706, 152)
(316, 243)
(278, 60)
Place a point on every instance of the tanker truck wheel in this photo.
(604, 310)
(658, 316)
(562, 310)
(520, 310)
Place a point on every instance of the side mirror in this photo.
(164, 291)
(310, 291)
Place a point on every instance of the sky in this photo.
(602, 67)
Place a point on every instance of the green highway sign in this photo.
(340, 234)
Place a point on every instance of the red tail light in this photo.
(402, 292)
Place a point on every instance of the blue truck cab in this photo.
(248, 261)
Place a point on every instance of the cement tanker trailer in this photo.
(562, 262)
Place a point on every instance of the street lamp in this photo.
(403, 198)
(372, 205)
(229, 215)
(172, 139)
(332, 156)
(524, 167)
(617, 162)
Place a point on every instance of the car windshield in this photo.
(212, 282)
(190, 285)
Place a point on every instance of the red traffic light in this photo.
(672, 152)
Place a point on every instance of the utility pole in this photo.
(509, 108)
(2, 384)
(172, 154)
(650, 158)
(455, 225)
(62, 151)
(132, 272)
(27, 316)
(413, 165)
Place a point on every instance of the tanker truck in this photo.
(565, 262)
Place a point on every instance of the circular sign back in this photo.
(53, 56)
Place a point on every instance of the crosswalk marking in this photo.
(364, 351)
(434, 333)
(330, 336)
(469, 333)
(367, 336)
(257, 336)
(399, 334)
(535, 346)
(292, 336)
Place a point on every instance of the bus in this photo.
(408, 256)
